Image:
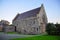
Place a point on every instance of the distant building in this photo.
(31, 22)
(6, 27)
(3, 24)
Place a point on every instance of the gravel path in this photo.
(4, 36)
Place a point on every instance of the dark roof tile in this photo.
(27, 14)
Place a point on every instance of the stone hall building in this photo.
(31, 22)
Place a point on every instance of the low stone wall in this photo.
(9, 28)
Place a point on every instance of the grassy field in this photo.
(11, 32)
(45, 37)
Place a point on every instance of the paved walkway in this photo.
(4, 36)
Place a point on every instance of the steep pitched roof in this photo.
(28, 13)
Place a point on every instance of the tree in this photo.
(57, 28)
(50, 29)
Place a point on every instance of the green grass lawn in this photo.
(11, 33)
(45, 37)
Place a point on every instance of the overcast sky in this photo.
(10, 8)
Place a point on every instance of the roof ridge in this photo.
(31, 10)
